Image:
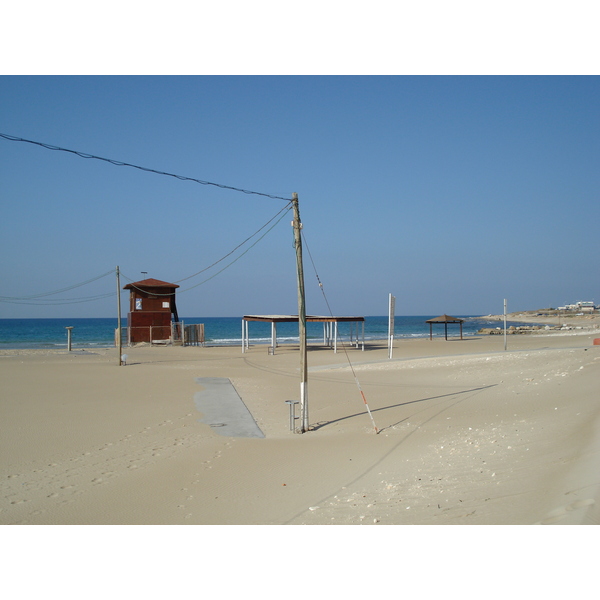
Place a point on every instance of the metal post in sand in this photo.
(69, 338)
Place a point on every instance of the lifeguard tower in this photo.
(151, 310)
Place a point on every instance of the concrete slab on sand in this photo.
(223, 409)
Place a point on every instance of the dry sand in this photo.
(468, 434)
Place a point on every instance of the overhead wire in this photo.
(240, 256)
(43, 300)
(118, 163)
(281, 214)
(65, 289)
(287, 207)
(59, 301)
(29, 299)
(342, 341)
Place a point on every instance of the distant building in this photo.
(585, 307)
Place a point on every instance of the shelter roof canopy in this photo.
(445, 319)
(294, 318)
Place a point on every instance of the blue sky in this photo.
(451, 192)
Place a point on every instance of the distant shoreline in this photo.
(550, 317)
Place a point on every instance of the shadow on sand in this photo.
(322, 424)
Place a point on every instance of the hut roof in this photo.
(150, 283)
(444, 319)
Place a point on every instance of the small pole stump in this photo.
(69, 329)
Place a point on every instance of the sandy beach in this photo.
(467, 434)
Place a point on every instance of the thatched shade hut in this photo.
(445, 319)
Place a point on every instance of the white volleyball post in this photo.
(392, 309)
(119, 337)
(505, 325)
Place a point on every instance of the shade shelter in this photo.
(445, 319)
(330, 328)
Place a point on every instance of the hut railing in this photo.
(177, 334)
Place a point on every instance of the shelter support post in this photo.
(335, 336)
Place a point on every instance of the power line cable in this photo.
(17, 299)
(225, 267)
(240, 256)
(66, 289)
(238, 246)
(42, 300)
(119, 163)
(58, 301)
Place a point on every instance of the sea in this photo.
(219, 331)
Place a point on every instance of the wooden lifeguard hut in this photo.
(151, 310)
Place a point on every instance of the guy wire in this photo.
(342, 341)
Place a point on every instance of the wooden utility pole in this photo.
(297, 224)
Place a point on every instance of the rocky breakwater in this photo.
(512, 330)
